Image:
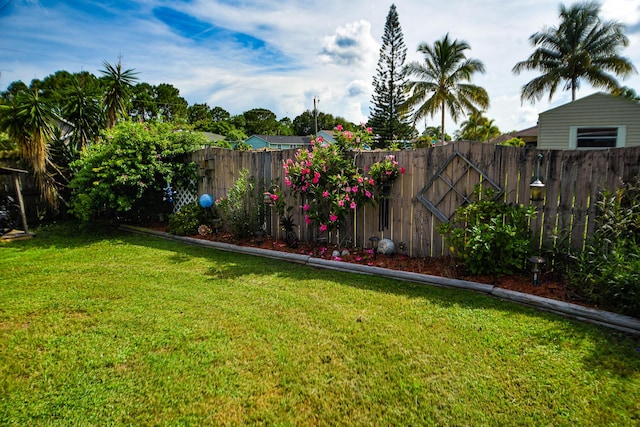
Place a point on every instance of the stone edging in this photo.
(612, 320)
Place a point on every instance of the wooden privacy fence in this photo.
(438, 180)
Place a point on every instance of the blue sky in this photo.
(281, 54)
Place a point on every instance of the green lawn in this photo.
(109, 328)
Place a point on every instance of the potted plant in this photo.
(385, 172)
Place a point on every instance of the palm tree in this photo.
(440, 81)
(581, 47)
(118, 87)
(488, 130)
(30, 123)
(82, 109)
(469, 128)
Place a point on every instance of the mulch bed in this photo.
(549, 285)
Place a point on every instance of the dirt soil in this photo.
(549, 285)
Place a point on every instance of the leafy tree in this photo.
(29, 122)
(117, 96)
(56, 87)
(199, 113)
(260, 121)
(219, 114)
(126, 178)
(222, 128)
(173, 108)
(387, 119)
(441, 81)
(304, 124)
(13, 89)
(285, 126)
(581, 47)
(239, 122)
(144, 102)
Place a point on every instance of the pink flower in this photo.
(341, 203)
(368, 194)
(339, 128)
(320, 139)
(353, 205)
(371, 181)
(360, 180)
(323, 227)
(287, 181)
(402, 170)
(315, 180)
(307, 219)
(306, 207)
(333, 217)
(337, 258)
(369, 130)
(273, 197)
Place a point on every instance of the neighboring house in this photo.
(529, 136)
(327, 136)
(594, 122)
(275, 142)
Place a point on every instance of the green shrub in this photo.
(607, 272)
(490, 237)
(242, 209)
(190, 217)
(125, 177)
(513, 142)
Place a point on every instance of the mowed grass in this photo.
(110, 328)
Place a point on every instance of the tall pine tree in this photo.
(386, 117)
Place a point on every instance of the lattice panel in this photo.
(453, 185)
(184, 196)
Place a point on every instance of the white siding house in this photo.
(593, 122)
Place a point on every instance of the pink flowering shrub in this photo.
(328, 181)
(353, 140)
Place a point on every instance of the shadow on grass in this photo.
(613, 351)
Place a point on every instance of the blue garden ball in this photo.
(206, 201)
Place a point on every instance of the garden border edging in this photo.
(604, 318)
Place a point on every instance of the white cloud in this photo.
(351, 45)
(327, 49)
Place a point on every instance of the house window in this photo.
(586, 138)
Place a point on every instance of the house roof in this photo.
(594, 97)
(528, 134)
(215, 137)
